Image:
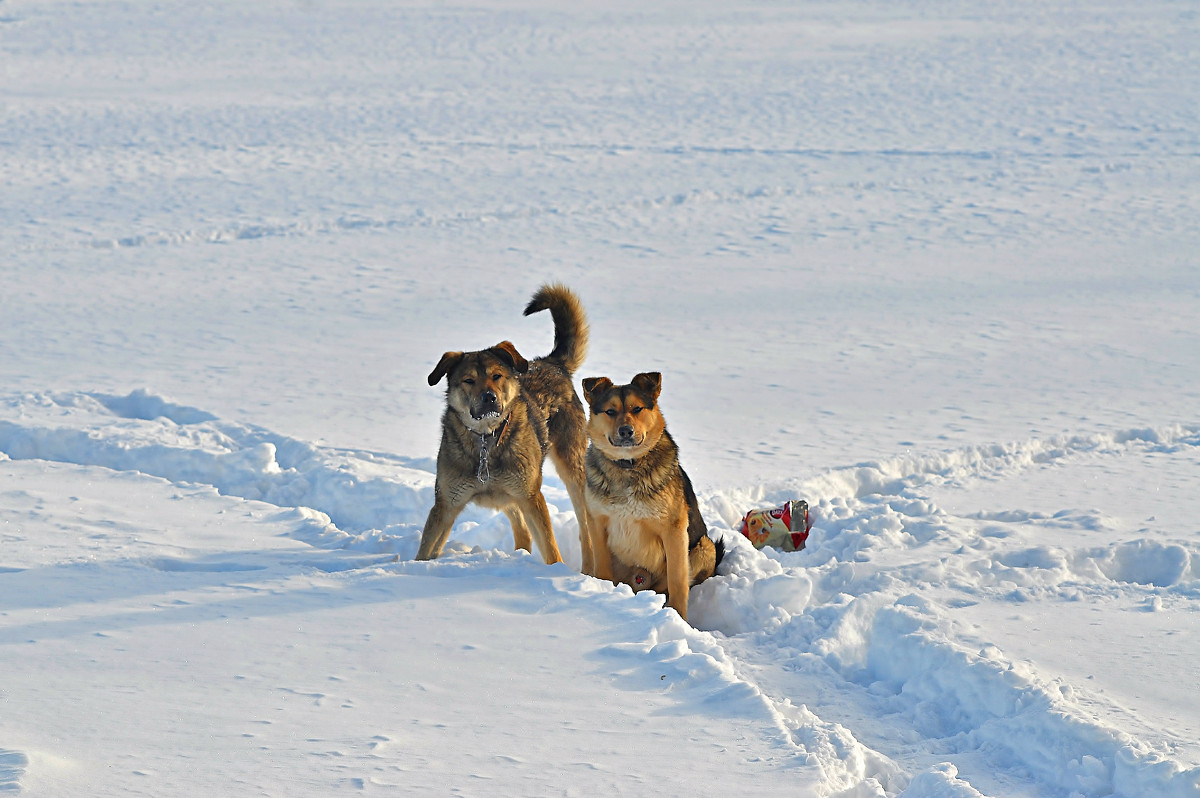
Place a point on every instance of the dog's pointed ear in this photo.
(649, 383)
(444, 366)
(509, 354)
(594, 385)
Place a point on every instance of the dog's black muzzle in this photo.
(624, 436)
(489, 405)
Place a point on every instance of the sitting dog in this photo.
(503, 415)
(645, 522)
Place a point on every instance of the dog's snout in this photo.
(488, 404)
(625, 431)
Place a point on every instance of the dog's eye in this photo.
(496, 377)
(610, 412)
(469, 381)
(636, 410)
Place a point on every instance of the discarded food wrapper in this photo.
(785, 527)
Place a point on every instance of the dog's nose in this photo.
(488, 397)
(625, 431)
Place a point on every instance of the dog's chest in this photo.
(634, 541)
(634, 528)
(625, 507)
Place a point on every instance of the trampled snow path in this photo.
(885, 613)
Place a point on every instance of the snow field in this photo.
(930, 267)
(878, 609)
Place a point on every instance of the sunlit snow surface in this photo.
(932, 268)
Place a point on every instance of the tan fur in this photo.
(702, 563)
(503, 416)
(645, 523)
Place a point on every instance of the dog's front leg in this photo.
(437, 527)
(675, 543)
(601, 553)
(587, 546)
(538, 514)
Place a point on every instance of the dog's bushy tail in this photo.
(704, 558)
(570, 324)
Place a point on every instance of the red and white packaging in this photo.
(785, 527)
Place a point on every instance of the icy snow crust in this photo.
(930, 267)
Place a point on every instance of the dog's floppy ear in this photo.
(649, 383)
(444, 366)
(594, 385)
(509, 354)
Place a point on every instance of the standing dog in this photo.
(504, 414)
(645, 522)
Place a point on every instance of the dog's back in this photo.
(704, 553)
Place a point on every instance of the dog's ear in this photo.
(649, 383)
(594, 385)
(509, 354)
(444, 366)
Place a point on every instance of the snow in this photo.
(930, 267)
